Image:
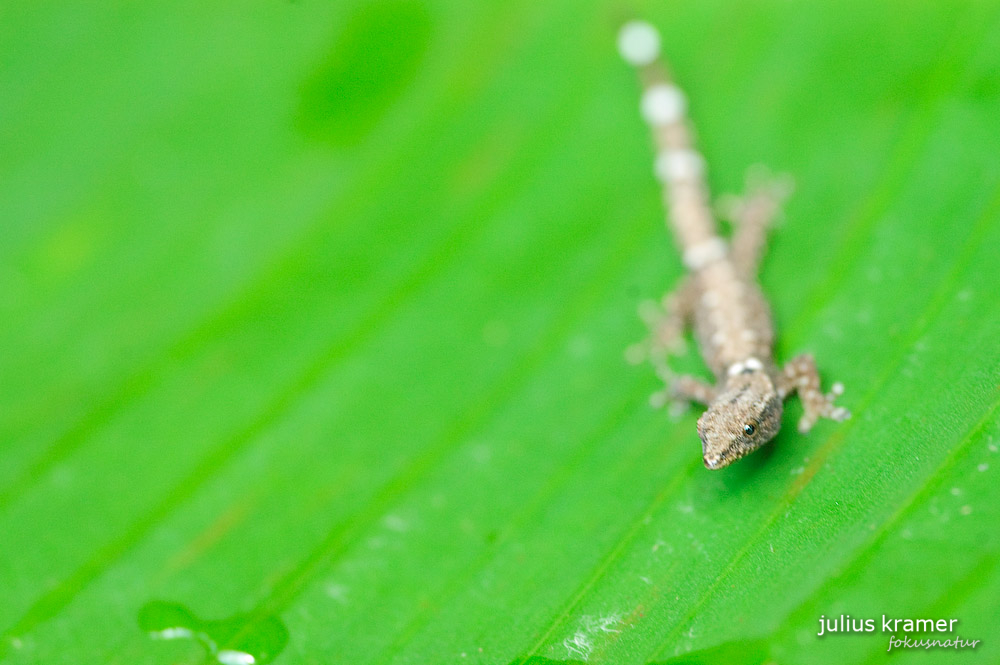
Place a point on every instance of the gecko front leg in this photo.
(681, 389)
(800, 375)
(690, 389)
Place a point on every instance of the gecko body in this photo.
(719, 297)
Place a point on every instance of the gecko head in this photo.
(744, 416)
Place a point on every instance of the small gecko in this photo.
(719, 296)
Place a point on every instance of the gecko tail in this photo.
(639, 43)
(663, 104)
(678, 166)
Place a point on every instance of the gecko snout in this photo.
(739, 421)
(715, 448)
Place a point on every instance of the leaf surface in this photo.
(314, 320)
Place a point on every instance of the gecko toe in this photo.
(659, 399)
(806, 423)
(840, 413)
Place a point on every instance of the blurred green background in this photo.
(313, 319)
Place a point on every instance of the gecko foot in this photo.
(800, 375)
(665, 321)
(837, 413)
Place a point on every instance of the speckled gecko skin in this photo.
(719, 297)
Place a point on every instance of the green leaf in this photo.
(314, 318)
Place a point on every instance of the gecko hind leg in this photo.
(666, 320)
(753, 214)
(800, 375)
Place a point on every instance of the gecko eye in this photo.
(749, 429)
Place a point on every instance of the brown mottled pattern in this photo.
(720, 297)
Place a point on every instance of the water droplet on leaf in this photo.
(251, 638)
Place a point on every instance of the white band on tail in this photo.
(639, 43)
(679, 166)
(703, 253)
(663, 104)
